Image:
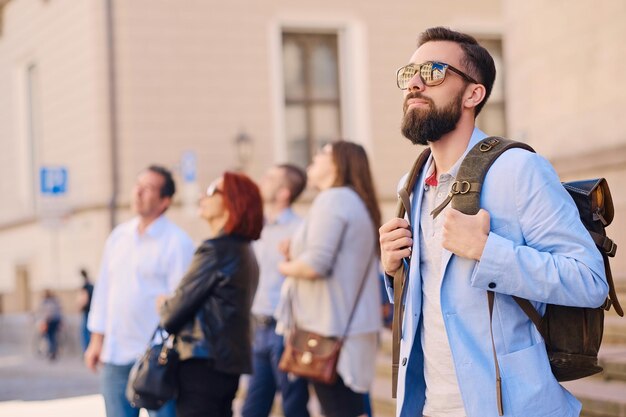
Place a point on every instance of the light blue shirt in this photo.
(267, 254)
(135, 270)
(537, 249)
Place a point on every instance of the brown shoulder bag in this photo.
(313, 356)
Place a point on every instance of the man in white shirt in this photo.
(143, 259)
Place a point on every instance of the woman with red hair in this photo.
(210, 310)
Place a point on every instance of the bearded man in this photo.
(526, 241)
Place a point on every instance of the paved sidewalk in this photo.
(33, 386)
(89, 405)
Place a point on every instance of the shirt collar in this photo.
(285, 216)
(431, 175)
(155, 229)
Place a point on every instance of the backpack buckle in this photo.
(488, 144)
(612, 249)
(460, 187)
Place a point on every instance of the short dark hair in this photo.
(242, 199)
(296, 180)
(169, 186)
(477, 60)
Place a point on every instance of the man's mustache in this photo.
(416, 95)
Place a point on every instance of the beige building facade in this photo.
(566, 94)
(107, 87)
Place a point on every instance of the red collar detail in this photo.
(432, 179)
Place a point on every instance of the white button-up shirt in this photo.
(135, 270)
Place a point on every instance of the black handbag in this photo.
(153, 378)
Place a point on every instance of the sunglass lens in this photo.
(404, 76)
(426, 73)
(437, 73)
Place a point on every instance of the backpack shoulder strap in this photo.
(465, 197)
(465, 191)
(404, 203)
(404, 206)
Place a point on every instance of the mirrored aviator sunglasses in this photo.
(431, 73)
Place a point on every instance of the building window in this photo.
(492, 118)
(311, 87)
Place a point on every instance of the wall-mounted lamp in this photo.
(243, 147)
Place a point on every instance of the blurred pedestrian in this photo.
(210, 310)
(330, 254)
(143, 258)
(280, 187)
(83, 301)
(49, 322)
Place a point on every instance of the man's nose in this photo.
(416, 83)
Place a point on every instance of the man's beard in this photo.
(422, 126)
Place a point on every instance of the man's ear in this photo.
(165, 203)
(474, 95)
(284, 194)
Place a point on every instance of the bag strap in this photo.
(168, 342)
(358, 296)
(612, 299)
(404, 207)
(491, 300)
(356, 301)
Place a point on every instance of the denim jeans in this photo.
(51, 336)
(85, 334)
(113, 380)
(266, 378)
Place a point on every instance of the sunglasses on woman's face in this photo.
(212, 190)
(431, 73)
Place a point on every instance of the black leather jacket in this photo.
(210, 310)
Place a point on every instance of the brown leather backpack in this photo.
(572, 335)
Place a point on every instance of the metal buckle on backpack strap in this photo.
(465, 187)
(488, 144)
(612, 248)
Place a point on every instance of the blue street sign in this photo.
(53, 180)
(188, 164)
